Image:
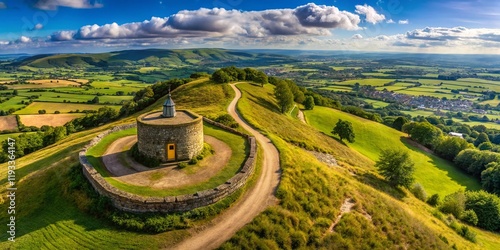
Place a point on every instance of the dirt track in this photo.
(136, 174)
(248, 207)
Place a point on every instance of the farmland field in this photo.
(8, 122)
(47, 119)
(54, 83)
(51, 107)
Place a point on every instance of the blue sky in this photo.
(51, 26)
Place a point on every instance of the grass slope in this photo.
(311, 195)
(236, 143)
(435, 174)
(47, 218)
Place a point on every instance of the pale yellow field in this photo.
(48, 119)
(54, 83)
(8, 122)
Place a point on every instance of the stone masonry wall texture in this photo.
(153, 138)
(139, 204)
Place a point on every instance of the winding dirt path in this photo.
(301, 117)
(258, 198)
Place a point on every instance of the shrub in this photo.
(470, 217)
(487, 208)
(454, 204)
(227, 120)
(467, 233)
(182, 165)
(397, 167)
(434, 200)
(193, 161)
(419, 192)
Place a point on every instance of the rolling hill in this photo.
(184, 57)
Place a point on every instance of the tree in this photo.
(487, 208)
(490, 178)
(423, 132)
(397, 167)
(95, 100)
(482, 137)
(485, 146)
(450, 146)
(284, 96)
(454, 204)
(344, 130)
(399, 122)
(219, 76)
(309, 103)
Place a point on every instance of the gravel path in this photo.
(256, 200)
(129, 171)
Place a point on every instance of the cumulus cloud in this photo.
(390, 21)
(403, 21)
(2, 5)
(23, 39)
(371, 14)
(38, 26)
(76, 4)
(357, 36)
(310, 19)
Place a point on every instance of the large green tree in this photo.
(309, 103)
(450, 146)
(284, 96)
(424, 133)
(396, 167)
(399, 122)
(344, 130)
(490, 178)
(482, 137)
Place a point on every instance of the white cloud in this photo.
(76, 4)
(38, 26)
(371, 14)
(403, 21)
(2, 5)
(310, 19)
(390, 21)
(357, 36)
(24, 39)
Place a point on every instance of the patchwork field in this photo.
(48, 119)
(51, 107)
(54, 83)
(8, 122)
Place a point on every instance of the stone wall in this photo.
(152, 139)
(139, 204)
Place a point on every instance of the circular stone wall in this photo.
(156, 135)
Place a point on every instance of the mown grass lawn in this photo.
(435, 174)
(237, 144)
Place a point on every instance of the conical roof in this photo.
(169, 107)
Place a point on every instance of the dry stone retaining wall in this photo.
(139, 204)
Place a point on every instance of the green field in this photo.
(235, 142)
(51, 107)
(13, 103)
(369, 81)
(435, 174)
(375, 103)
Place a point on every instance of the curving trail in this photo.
(258, 198)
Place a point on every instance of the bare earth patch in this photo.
(48, 119)
(8, 122)
(128, 171)
(347, 208)
(301, 117)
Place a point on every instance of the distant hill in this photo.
(150, 57)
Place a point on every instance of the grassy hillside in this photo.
(435, 174)
(151, 56)
(47, 216)
(311, 195)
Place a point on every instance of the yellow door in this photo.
(170, 152)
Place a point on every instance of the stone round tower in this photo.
(170, 135)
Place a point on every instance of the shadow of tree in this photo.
(335, 138)
(381, 185)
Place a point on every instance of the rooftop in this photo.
(156, 118)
